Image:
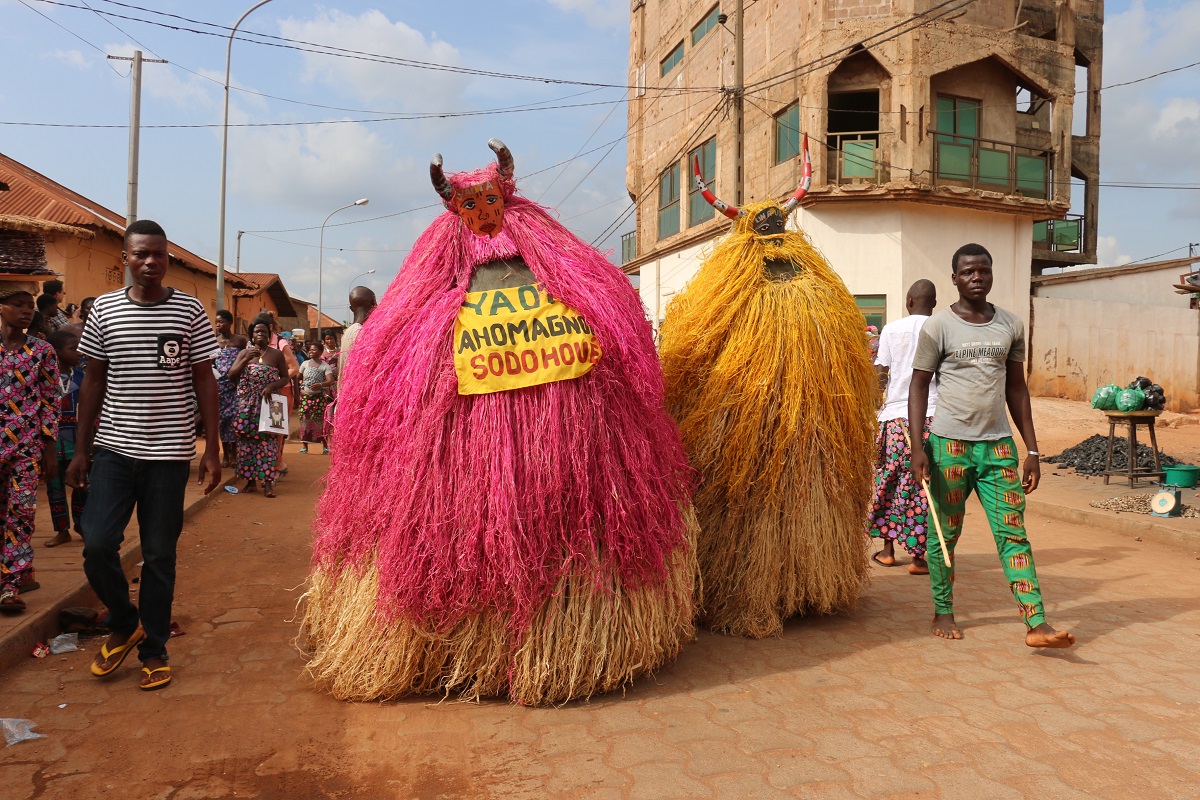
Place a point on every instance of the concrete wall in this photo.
(882, 248)
(1151, 288)
(1079, 345)
(92, 267)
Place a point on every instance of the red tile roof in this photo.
(31, 194)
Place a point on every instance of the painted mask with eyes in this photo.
(769, 222)
(481, 207)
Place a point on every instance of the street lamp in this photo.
(321, 258)
(224, 160)
(356, 277)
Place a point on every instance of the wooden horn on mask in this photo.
(504, 159)
(440, 184)
(720, 205)
(805, 181)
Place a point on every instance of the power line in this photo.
(56, 23)
(651, 185)
(1151, 258)
(339, 249)
(399, 118)
(921, 19)
(358, 55)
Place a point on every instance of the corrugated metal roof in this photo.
(258, 280)
(32, 194)
(327, 321)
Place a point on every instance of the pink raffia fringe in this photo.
(481, 505)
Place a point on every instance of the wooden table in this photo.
(1132, 472)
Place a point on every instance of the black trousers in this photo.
(118, 484)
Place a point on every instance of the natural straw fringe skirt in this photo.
(585, 639)
(770, 380)
(763, 563)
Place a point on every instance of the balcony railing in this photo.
(1060, 235)
(628, 247)
(991, 165)
(857, 157)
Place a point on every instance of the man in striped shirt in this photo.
(150, 348)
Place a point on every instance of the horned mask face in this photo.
(769, 222)
(480, 205)
(481, 208)
(772, 221)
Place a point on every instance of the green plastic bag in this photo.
(1130, 400)
(1105, 397)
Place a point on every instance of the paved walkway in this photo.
(863, 705)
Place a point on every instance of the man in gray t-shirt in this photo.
(977, 352)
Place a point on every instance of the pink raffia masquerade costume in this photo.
(508, 507)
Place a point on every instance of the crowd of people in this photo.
(104, 401)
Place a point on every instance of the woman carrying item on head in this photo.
(316, 381)
(231, 345)
(260, 371)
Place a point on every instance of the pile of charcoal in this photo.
(1088, 456)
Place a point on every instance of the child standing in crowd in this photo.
(28, 427)
(65, 342)
(316, 379)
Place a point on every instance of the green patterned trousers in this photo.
(990, 470)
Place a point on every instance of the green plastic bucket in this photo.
(1182, 475)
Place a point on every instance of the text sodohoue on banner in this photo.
(509, 338)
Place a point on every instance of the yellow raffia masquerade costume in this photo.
(771, 382)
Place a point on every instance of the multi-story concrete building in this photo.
(931, 124)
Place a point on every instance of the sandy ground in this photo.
(859, 705)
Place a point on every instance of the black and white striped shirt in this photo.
(150, 349)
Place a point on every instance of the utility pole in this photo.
(739, 80)
(135, 127)
(238, 262)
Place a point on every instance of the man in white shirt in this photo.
(900, 510)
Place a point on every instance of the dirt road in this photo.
(862, 705)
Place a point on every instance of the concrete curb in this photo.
(1148, 528)
(41, 625)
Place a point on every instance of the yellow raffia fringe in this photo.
(586, 639)
(773, 388)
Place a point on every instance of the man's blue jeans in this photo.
(118, 483)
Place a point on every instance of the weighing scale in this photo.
(1167, 502)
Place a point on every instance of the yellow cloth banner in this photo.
(510, 338)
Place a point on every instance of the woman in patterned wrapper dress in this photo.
(260, 371)
(331, 357)
(316, 381)
(28, 426)
(231, 345)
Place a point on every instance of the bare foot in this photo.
(62, 537)
(918, 567)
(884, 559)
(250, 486)
(945, 627)
(1045, 636)
(268, 489)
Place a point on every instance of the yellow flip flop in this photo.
(120, 652)
(155, 684)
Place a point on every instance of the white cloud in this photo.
(599, 13)
(1175, 117)
(1108, 252)
(318, 167)
(389, 86)
(72, 58)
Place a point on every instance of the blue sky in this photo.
(292, 176)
